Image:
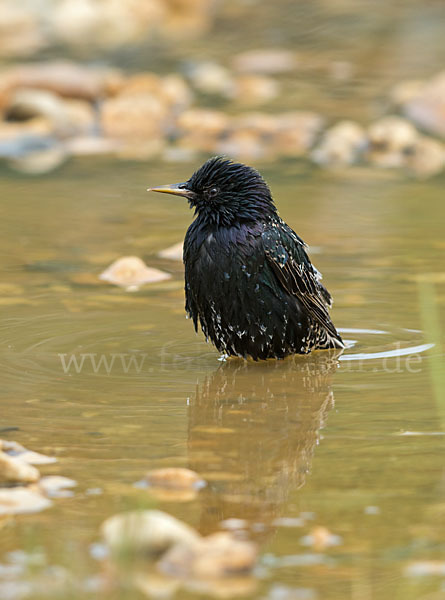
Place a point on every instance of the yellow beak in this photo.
(177, 189)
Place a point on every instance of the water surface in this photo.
(318, 439)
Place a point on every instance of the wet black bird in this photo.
(248, 279)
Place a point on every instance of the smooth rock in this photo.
(172, 252)
(65, 78)
(135, 116)
(174, 478)
(16, 450)
(340, 145)
(14, 470)
(427, 107)
(39, 127)
(389, 140)
(217, 555)
(52, 485)
(91, 145)
(40, 161)
(150, 532)
(211, 78)
(247, 146)
(176, 92)
(200, 129)
(427, 158)
(426, 568)
(130, 272)
(253, 89)
(256, 122)
(66, 116)
(234, 524)
(265, 61)
(320, 538)
(206, 121)
(296, 132)
(20, 34)
(18, 500)
(405, 91)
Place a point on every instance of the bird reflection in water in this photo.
(253, 428)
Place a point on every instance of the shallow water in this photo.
(316, 436)
(353, 443)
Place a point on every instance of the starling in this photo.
(248, 279)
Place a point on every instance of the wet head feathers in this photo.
(226, 193)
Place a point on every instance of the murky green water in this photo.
(274, 440)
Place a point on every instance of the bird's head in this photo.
(225, 193)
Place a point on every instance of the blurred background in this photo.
(336, 82)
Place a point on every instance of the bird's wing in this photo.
(286, 254)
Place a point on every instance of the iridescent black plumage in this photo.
(248, 280)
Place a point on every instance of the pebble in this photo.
(234, 524)
(282, 592)
(172, 252)
(267, 62)
(149, 532)
(170, 90)
(426, 105)
(211, 122)
(88, 145)
(426, 568)
(65, 78)
(28, 456)
(247, 146)
(19, 32)
(135, 116)
(341, 145)
(14, 470)
(174, 478)
(297, 132)
(20, 500)
(55, 485)
(210, 78)
(130, 272)
(289, 522)
(390, 138)
(320, 538)
(426, 158)
(40, 161)
(67, 117)
(253, 89)
(217, 555)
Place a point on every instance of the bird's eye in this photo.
(213, 192)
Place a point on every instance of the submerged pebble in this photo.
(426, 158)
(130, 272)
(217, 555)
(149, 532)
(174, 478)
(20, 500)
(253, 89)
(28, 456)
(341, 145)
(425, 105)
(56, 485)
(390, 139)
(30, 492)
(14, 470)
(264, 61)
(173, 252)
(320, 538)
(210, 78)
